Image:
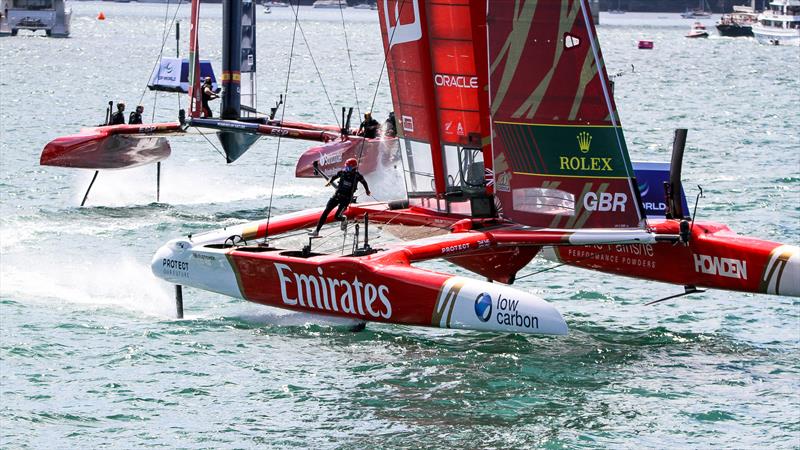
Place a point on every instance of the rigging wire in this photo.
(283, 114)
(209, 141)
(160, 51)
(349, 59)
(378, 84)
(164, 39)
(314, 61)
(380, 77)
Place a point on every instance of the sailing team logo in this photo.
(402, 33)
(483, 307)
(584, 141)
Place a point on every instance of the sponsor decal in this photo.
(279, 132)
(459, 81)
(653, 206)
(175, 268)
(724, 267)
(584, 141)
(235, 125)
(330, 158)
(448, 128)
(630, 255)
(605, 201)
(507, 314)
(455, 248)
(402, 33)
(503, 182)
(585, 163)
(483, 307)
(408, 123)
(644, 188)
(333, 294)
(204, 260)
(593, 164)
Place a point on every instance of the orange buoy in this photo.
(101, 16)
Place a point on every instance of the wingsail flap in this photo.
(560, 158)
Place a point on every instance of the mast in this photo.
(231, 62)
(238, 58)
(195, 96)
(238, 73)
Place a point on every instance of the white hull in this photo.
(776, 36)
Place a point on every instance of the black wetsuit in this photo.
(207, 95)
(390, 127)
(370, 129)
(135, 118)
(118, 118)
(348, 181)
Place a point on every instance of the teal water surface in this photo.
(92, 356)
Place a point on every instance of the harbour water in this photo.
(91, 354)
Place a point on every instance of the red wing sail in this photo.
(560, 158)
(435, 53)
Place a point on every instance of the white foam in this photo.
(119, 281)
(179, 186)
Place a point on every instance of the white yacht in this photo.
(330, 4)
(780, 24)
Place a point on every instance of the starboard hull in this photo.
(715, 258)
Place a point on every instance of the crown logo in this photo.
(584, 140)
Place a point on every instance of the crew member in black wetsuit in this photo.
(208, 94)
(369, 127)
(348, 182)
(390, 126)
(136, 116)
(118, 118)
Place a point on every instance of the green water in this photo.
(91, 355)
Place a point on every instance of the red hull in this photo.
(372, 154)
(111, 147)
(716, 258)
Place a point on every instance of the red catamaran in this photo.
(239, 125)
(510, 143)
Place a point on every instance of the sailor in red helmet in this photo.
(348, 181)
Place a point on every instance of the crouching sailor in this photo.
(348, 182)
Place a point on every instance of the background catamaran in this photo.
(239, 126)
(503, 155)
